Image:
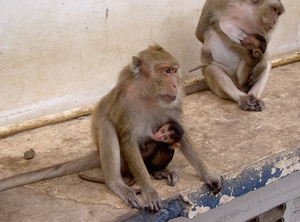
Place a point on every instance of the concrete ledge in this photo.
(250, 149)
(252, 177)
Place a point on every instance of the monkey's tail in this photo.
(198, 67)
(197, 86)
(91, 179)
(100, 180)
(88, 162)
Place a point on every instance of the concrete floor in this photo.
(228, 139)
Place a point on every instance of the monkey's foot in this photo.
(171, 176)
(251, 103)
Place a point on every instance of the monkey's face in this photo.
(272, 10)
(163, 135)
(166, 82)
(159, 75)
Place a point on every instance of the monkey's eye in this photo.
(276, 10)
(168, 70)
(255, 1)
(165, 138)
(163, 131)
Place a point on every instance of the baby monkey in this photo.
(256, 44)
(157, 153)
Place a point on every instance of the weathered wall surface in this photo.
(57, 55)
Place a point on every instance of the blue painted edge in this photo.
(251, 178)
(172, 208)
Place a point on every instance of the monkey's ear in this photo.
(137, 63)
(174, 146)
(256, 53)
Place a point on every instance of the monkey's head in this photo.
(158, 70)
(170, 132)
(267, 13)
(256, 43)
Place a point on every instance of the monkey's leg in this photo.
(215, 182)
(111, 164)
(171, 176)
(221, 84)
(136, 164)
(223, 87)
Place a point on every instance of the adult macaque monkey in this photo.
(238, 19)
(146, 96)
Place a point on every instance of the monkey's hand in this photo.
(251, 103)
(152, 200)
(252, 80)
(214, 183)
(171, 176)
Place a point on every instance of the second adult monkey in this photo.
(238, 19)
(146, 96)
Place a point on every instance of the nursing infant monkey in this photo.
(239, 20)
(157, 153)
(146, 96)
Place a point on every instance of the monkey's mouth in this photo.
(169, 98)
(268, 26)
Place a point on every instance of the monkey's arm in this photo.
(110, 157)
(239, 49)
(205, 21)
(189, 151)
(132, 156)
(148, 149)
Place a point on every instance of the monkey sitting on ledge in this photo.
(146, 96)
(157, 154)
(237, 19)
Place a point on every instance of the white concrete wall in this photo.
(57, 55)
